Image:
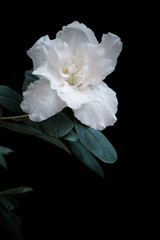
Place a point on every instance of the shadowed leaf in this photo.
(10, 100)
(96, 143)
(84, 156)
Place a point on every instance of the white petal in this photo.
(39, 51)
(100, 112)
(112, 46)
(40, 101)
(75, 34)
(51, 69)
(58, 54)
(74, 98)
(45, 71)
(94, 67)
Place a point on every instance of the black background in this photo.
(62, 182)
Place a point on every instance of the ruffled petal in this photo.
(112, 46)
(100, 112)
(75, 34)
(40, 101)
(93, 66)
(39, 51)
(72, 97)
(52, 68)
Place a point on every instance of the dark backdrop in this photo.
(54, 174)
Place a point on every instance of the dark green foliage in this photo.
(10, 100)
(4, 151)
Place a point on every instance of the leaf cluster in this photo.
(8, 219)
(89, 145)
(62, 130)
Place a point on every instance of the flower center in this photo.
(69, 71)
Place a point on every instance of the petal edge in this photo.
(75, 34)
(100, 112)
(112, 46)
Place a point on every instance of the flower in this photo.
(71, 70)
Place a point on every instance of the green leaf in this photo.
(22, 128)
(10, 100)
(95, 142)
(9, 202)
(8, 219)
(3, 162)
(4, 151)
(84, 156)
(55, 141)
(57, 126)
(71, 136)
(29, 78)
(30, 123)
(17, 190)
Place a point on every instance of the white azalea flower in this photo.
(72, 68)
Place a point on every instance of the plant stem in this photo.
(14, 117)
